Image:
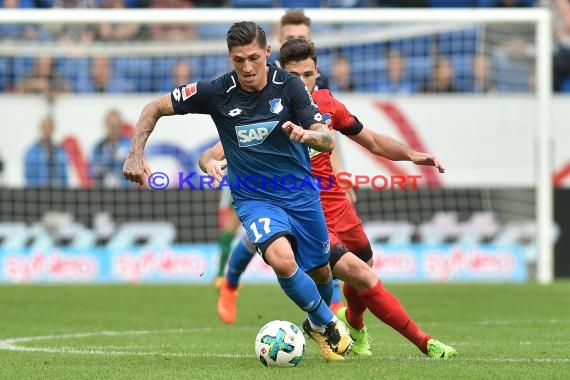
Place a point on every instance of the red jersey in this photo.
(337, 117)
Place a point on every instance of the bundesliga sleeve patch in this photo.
(189, 90)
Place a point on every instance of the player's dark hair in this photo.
(244, 33)
(297, 49)
(295, 17)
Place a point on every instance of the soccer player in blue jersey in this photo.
(351, 253)
(256, 109)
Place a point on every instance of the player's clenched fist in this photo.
(296, 133)
(136, 169)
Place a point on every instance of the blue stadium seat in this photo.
(5, 74)
(463, 69)
(510, 75)
(486, 3)
(565, 85)
(75, 71)
(458, 42)
(252, 3)
(300, 4)
(162, 71)
(346, 3)
(419, 69)
(492, 3)
(137, 70)
(22, 67)
(452, 3)
(417, 46)
(22, 4)
(214, 66)
(213, 31)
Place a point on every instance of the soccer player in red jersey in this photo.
(351, 253)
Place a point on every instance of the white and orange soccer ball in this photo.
(280, 344)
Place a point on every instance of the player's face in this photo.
(249, 61)
(288, 32)
(306, 70)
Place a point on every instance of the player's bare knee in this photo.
(321, 275)
(279, 255)
(356, 272)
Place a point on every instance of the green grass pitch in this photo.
(172, 332)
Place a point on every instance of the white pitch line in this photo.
(12, 344)
(501, 322)
(479, 359)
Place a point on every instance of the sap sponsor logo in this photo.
(189, 90)
(254, 134)
(275, 105)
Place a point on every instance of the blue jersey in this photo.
(263, 163)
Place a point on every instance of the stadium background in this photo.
(476, 223)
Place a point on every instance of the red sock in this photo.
(355, 307)
(390, 311)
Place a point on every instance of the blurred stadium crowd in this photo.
(447, 61)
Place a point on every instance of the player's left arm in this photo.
(317, 136)
(213, 162)
(386, 146)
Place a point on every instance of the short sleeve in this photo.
(302, 103)
(193, 98)
(344, 121)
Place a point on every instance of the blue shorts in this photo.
(305, 227)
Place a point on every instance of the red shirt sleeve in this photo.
(342, 120)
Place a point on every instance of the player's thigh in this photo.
(351, 233)
(263, 222)
(354, 271)
(268, 229)
(310, 232)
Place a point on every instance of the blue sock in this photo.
(336, 291)
(239, 259)
(326, 291)
(303, 291)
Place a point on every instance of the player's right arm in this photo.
(136, 168)
(193, 98)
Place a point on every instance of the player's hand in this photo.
(427, 159)
(296, 133)
(215, 169)
(136, 169)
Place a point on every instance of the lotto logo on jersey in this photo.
(253, 134)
